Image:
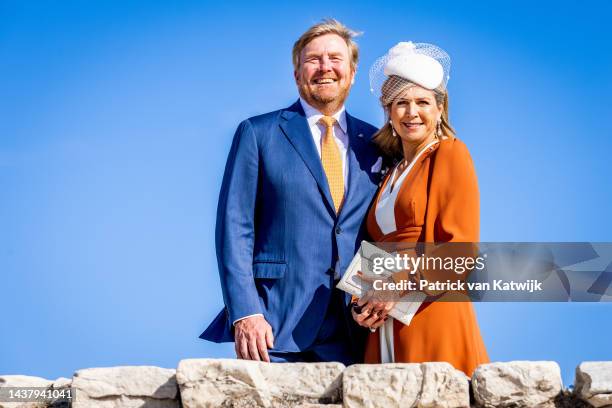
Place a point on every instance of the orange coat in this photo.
(437, 202)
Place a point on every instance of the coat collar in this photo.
(357, 147)
(313, 115)
(295, 127)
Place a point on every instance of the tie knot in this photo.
(328, 121)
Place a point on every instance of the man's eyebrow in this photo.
(317, 54)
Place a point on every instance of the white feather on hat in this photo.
(405, 61)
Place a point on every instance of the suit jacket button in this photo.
(338, 230)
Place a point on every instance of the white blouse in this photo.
(385, 208)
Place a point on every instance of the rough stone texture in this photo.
(62, 382)
(309, 405)
(238, 383)
(515, 384)
(568, 399)
(125, 387)
(594, 383)
(24, 381)
(426, 385)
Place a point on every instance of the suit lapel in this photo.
(355, 145)
(296, 130)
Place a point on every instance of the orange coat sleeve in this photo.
(453, 214)
(456, 198)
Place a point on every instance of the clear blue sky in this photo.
(116, 118)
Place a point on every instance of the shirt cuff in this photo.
(242, 318)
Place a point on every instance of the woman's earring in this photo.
(392, 129)
(439, 129)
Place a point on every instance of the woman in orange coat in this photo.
(430, 196)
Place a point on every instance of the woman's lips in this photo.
(412, 126)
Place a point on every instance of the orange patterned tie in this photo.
(332, 162)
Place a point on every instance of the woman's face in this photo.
(415, 114)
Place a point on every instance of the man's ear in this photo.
(295, 75)
(354, 73)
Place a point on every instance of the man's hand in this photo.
(253, 337)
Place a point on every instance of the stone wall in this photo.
(229, 383)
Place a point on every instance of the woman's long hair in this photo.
(393, 87)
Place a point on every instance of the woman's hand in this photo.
(373, 309)
(370, 311)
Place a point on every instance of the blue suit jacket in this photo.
(277, 235)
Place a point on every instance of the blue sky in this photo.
(116, 118)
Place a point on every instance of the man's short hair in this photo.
(327, 26)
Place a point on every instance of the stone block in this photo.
(425, 385)
(240, 383)
(594, 383)
(529, 384)
(125, 387)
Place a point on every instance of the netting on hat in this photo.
(407, 62)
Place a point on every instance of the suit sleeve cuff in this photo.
(242, 318)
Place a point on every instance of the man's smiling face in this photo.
(324, 75)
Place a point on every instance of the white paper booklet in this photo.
(404, 309)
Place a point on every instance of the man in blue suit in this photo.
(291, 211)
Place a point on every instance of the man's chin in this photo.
(327, 98)
(322, 99)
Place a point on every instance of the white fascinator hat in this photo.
(423, 64)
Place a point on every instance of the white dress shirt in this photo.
(318, 130)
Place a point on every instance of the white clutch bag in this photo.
(351, 282)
